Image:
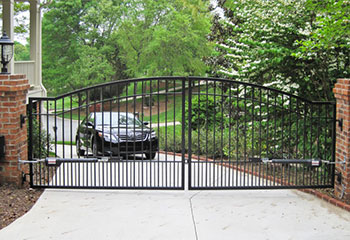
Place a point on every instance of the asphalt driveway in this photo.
(115, 214)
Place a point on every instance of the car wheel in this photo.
(94, 148)
(150, 156)
(80, 152)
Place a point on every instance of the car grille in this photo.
(133, 136)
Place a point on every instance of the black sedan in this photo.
(115, 134)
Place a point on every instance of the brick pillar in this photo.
(13, 94)
(342, 95)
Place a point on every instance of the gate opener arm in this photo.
(55, 161)
(311, 162)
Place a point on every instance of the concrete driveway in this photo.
(264, 214)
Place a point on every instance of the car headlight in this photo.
(109, 137)
(153, 134)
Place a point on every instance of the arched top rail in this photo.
(181, 78)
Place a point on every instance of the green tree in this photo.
(22, 53)
(90, 42)
(77, 46)
(332, 18)
(165, 37)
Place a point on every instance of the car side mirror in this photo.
(89, 124)
(145, 123)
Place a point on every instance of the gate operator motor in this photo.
(2, 147)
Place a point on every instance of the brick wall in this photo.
(13, 94)
(342, 95)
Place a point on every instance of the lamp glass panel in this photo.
(7, 52)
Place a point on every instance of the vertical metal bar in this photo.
(253, 120)
(183, 128)
(158, 112)
(207, 171)
(310, 150)
(55, 129)
(198, 135)
(110, 134)
(127, 136)
(282, 127)
(142, 130)
(275, 139)
(166, 130)
(332, 170)
(325, 145)
(47, 137)
(267, 135)
(297, 142)
(189, 80)
(260, 140)
(95, 140)
(275, 122)
(78, 139)
(134, 159)
(30, 141)
(71, 137)
(71, 126)
(86, 119)
(238, 173)
(318, 142)
(63, 113)
(229, 137)
(174, 158)
(304, 140)
(150, 144)
(118, 123)
(290, 136)
(213, 166)
(222, 134)
(39, 133)
(245, 133)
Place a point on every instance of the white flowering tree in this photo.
(263, 42)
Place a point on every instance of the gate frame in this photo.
(184, 98)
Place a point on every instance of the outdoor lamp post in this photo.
(6, 48)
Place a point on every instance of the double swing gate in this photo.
(172, 132)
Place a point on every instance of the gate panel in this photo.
(135, 134)
(244, 136)
(114, 135)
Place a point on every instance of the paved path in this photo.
(132, 214)
(278, 214)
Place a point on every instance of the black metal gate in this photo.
(168, 132)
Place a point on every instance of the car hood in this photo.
(122, 130)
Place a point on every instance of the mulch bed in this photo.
(15, 202)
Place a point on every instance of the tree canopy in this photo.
(89, 42)
(282, 44)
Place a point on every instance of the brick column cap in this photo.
(13, 83)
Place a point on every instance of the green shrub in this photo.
(206, 111)
(41, 145)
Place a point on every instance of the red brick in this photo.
(17, 76)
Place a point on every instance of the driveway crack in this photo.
(192, 214)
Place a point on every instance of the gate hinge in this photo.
(22, 120)
(340, 124)
(339, 177)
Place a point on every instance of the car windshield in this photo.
(115, 119)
